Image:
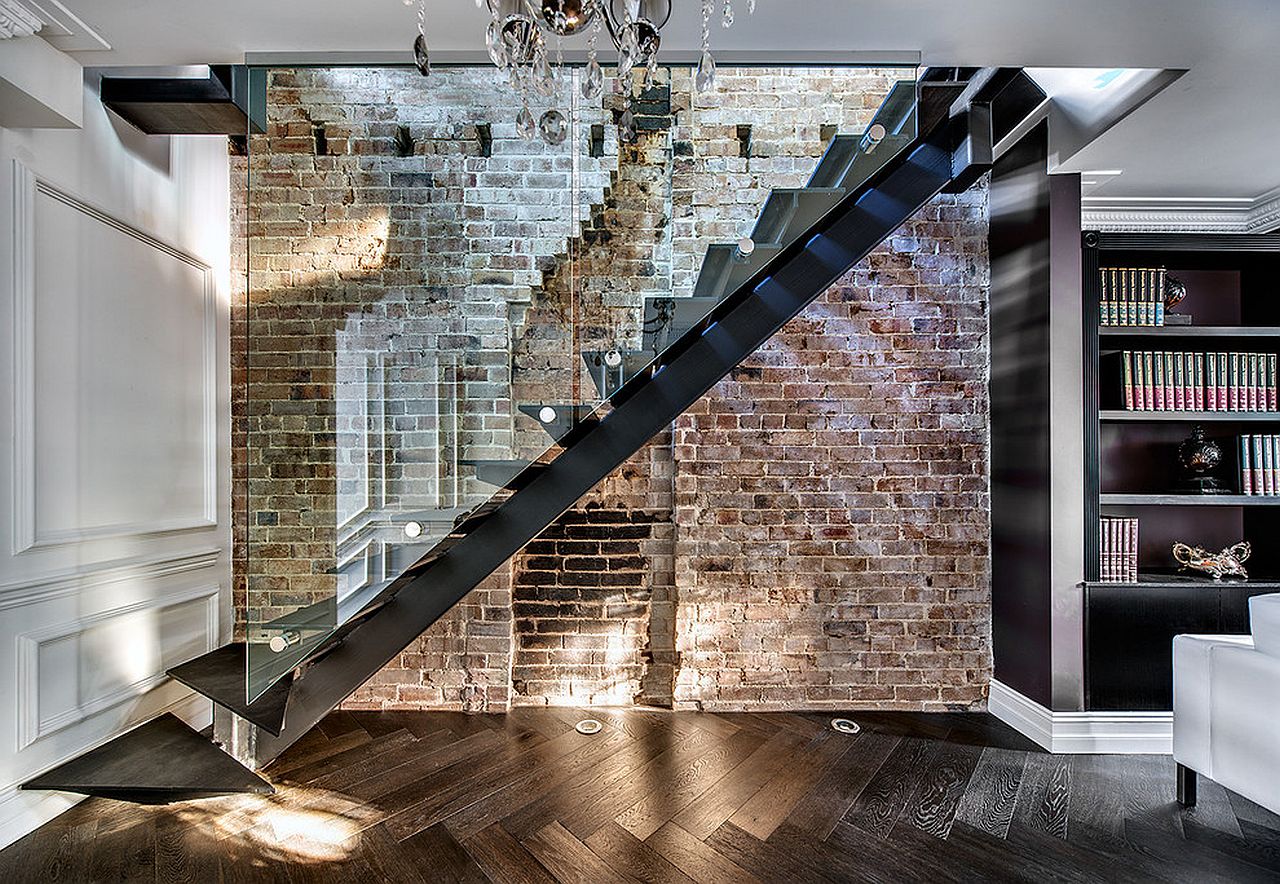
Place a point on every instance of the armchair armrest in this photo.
(1192, 697)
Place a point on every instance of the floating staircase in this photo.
(927, 137)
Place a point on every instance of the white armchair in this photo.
(1226, 708)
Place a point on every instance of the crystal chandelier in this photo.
(525, 41)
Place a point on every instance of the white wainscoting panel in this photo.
(116, 375)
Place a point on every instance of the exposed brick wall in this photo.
(813, 533)
(832, 511)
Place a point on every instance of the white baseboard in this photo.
(24, 812)
(1083, 733)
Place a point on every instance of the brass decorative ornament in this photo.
(1228, 563)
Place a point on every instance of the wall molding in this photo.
(32, 726)
(1179, 215)
(69, 582)
(27, 186)
(1083, 733)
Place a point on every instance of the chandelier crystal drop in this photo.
(516, 38)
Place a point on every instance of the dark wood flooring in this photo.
(670, 798)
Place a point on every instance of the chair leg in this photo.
(1187, 779)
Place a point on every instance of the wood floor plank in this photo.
(698, 860)
(63, 853)
(444, 859)
(504, 859)
(714, 806)
(568, 859)
(1044, 795)
(933, 806)
(538, 783)
(767, 861)
(585, 786)
(632, 857)
(989, 800)
(882, 802)
(829, 800)
(1262, 855)
(364, 769)
(446, 798)
(290, 762)
(1213, 809)
(417, 769)
(769, 806)
(1098, 803)
(340, 722)
(585, 817)
(1151, 794)
(652, 810)
(388, 860)
(363, 754)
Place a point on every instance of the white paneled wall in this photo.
(114, 456)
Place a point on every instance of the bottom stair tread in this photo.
(161, 761)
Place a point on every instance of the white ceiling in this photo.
(1212, 135)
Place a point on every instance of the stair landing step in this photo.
(220, 676)
(161, 761)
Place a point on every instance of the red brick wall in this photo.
(832, 512)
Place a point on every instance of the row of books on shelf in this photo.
(1167, 381)
(1260, 464)
(1119, 559)
(1133, 296)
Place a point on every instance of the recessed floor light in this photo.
(845, 726)
(588, 726)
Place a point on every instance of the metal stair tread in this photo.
(220, 676)
(161, 761)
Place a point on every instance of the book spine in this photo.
(1246, 467)
(1233, 382)
(1275, 462)
(1222, 382)
(1128, 380)
(1168, 381)
(1140, 296)
(1255, 461)
(1268, 465)
(1179, 400)
(1130, 294)
(1263, 464)
(1104, 565)
(1198, 382)
(1148, 380)
(1251, 382)
(1160, 296)
(1104, 298)
(1133, 551)
(1113, 296)
(1271, 382)
(1259, 381)
(1157, 380)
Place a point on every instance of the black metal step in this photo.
(220, 676)
(161, 761)
(498, 472)
(565, 418)
(230, 101)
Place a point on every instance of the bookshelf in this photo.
(1233, 297)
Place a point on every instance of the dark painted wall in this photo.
(1021, 591)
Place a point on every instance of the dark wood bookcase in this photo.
(1233, 296)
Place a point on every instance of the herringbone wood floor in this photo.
(670, 797)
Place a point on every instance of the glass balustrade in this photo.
(434, 301)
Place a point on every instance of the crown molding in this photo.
(16, 20)
(1176, 215)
